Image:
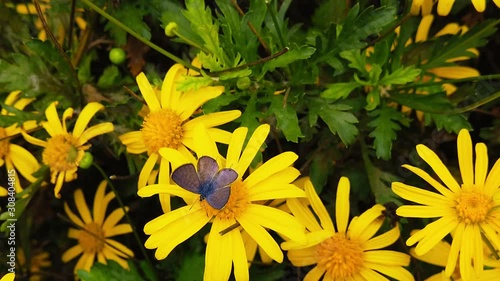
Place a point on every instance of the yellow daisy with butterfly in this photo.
(171, 121)
(225, 246)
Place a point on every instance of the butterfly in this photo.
(211, 183)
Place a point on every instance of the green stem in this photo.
(474, 105)
(190, 42)
(450, 81)
(127, 217)
(275, 21)
(139, 37)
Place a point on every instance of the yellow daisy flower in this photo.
(63, 151)
(95, 231)
(468, 210)
(444, 6)
(39, 259)
(8, 277)
(16, 158)
(350, 252)
(169, 123)
(270, 181)
(439, 256)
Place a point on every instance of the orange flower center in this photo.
(162, 129)
(92, 238)
(235, 206)
(473, 207)
(62, 153)
(4, 143)
(339, 256)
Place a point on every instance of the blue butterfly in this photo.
(208, 181)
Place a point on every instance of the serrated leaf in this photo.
(235, 74)
(450, 122)
(287, 119)
(200, 18)
(294, 54)
(339, 90)
(191, 83)
(401, 76)
(217, 103)
(336, 116)
(356, 60)
(386, 122)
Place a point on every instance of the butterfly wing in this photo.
(207, 168)
(224, 178)
(219, 197)
(186, 177)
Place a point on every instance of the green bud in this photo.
(117, 55)
(243, 83)
(170, 29)
(87, 160)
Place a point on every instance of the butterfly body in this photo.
(207, 180)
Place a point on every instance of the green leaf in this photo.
(109, 77)
(435, 103)
(192, 83)
(356, 59)
(111, 271)
(359, 27)
(84, 71)
(336, 116)
(192, 268)
(172, 12)
(450, 122)
(202, 24)
(294, 54)
(216, 104)
(385, 123)
(130, 14)
(287, 119)
(400, 76)
(339, 90)
(235, 74)
(372, 99)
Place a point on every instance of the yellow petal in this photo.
(302, 257)
(396, 272)
(271, 167)
(172, 189)
(318, 207)
(253, 146)
(100, 203)
(432, 234)
(82, 207)
(240, 262)
(367, 224)
(53, 125)
(481, 166)
(71, 253)
(68, 113)
(425, 176)
(464, 149)
(84, 118)
(382, 240)
(479, 5)
(218, 255)
(315, 274)
(444, 7)
(164, 220)
(493, 180)
(113, 219)
(212, 119)
(147, 92)
(313, 239)
(204, 145)
(146, 170)
(423, 28)
(342, 204)
(169, 94)
(439, 168)
(420, 196)
(303, 214)
(99, 129)
(454, 72)
(178, 231)
(235, 146)
(192, 100)
(25, 163)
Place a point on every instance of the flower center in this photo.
(162, 129)
(236, 205)
(4, 143)
(62, 152)
(340, 256)
(92, 242)
(473, 207)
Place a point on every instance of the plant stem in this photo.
(252, 28)
(451, 81)
(139, 37)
